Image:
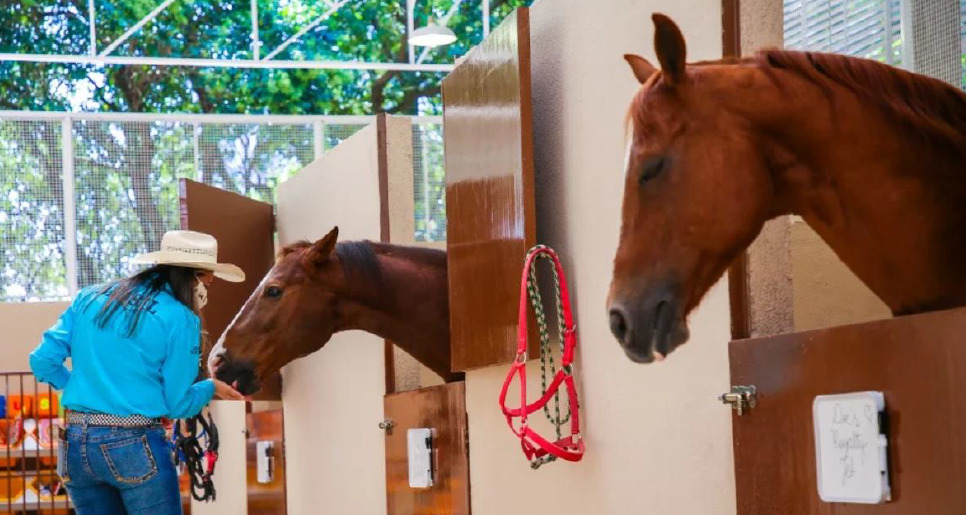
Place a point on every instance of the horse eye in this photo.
(652, 168)
(273, 292)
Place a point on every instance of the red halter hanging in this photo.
(535, 447)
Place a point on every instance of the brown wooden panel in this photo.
(266, 499)
(919, 362)
(442, 408)
(245, 230)
(487, 116)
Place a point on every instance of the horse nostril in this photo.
(618, 324)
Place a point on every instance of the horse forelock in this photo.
(291, 248)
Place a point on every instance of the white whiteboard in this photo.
(850, 449)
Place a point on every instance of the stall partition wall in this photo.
(489, 190)
(658, 441)
(333, 399)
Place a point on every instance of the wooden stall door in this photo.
(488, 131)
(918, 362)
(442, 408)
(245, 230)
(269, 498)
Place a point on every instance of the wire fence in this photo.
(71, 217)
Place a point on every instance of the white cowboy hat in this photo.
(192, 250)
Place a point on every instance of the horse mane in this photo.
(926, 105)
(360, 259)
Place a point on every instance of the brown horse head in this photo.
(321, 288)
(696, 192)
(289, 315)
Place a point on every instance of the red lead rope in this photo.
(536, 447)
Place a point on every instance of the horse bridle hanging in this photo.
(537, 449)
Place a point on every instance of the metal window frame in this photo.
(104, 57)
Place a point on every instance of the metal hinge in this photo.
(387, 425)
(741, 398)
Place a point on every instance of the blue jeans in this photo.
(117, 471)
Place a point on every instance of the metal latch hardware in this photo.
(741, 398)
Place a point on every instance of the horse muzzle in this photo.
(650, 329)
(238, 373)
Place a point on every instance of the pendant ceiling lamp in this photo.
(432, 35)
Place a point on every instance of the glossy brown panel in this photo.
(487, 115)
(245, 230)
(919, 362)
(442, 408)
(266, 499)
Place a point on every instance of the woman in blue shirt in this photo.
(135, 349)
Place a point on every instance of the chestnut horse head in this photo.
(682, 221)
(321, 288)
(870, 156)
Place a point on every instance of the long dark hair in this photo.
(136, 294)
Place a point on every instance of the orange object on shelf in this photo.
(10, 491)
(19, 405)
(47, 405)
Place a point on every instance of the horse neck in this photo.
(410, 308)
(890, 204)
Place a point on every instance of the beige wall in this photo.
(23, 324)
(827, 293)
(657, 440)
(333, 398)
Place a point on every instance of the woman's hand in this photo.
(224, 391)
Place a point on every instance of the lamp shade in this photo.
(432, 35)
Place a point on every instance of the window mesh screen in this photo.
(429, 182)
(937, 39)
(126, 186)
(32, 265)
(126, 177)
(251, 159)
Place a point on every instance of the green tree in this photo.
(126, 173)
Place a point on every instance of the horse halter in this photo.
(537, 449)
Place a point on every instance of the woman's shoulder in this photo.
(169, 306)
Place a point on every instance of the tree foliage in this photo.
(126, 173)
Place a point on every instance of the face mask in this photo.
(201, 294)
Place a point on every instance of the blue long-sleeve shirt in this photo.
(151, 373)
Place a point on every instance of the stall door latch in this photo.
(387, 425)
(741, 398)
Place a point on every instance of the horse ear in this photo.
(322, 249)
(641, 67)
(671, 50)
